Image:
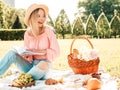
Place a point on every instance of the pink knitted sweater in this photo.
(47, 41)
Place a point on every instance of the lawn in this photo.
(109, 52)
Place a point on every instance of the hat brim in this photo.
(31, 9)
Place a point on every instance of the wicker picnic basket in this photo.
(82, 66)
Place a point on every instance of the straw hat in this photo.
(33, 7)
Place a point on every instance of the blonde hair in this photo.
(32, 19)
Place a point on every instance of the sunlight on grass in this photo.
(109, 53)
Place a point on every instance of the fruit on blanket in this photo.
(93, 84)
(51, 81)
(61, 80)
(24, 80)
(96, 75)
(15, 83)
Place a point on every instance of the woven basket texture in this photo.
(82, 66)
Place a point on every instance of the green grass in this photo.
(109, 52)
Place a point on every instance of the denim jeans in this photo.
(12, 57)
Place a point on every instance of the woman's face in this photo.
(40, 17)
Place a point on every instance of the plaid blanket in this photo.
(69, 83)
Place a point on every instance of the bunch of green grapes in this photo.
(24, 79)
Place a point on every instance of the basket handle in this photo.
(80, 37)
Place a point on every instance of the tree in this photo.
(96, 7)
(78, 28)
(50, 21)
(7, 17)
(91, 26)
(103, 29)
(115, 25)
(10, 17)
(17, 24)
(21, 14)
(62, 24)
(1, 13)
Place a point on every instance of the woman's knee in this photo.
(43, 65)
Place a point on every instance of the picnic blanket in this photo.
(68, 77)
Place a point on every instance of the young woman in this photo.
(38, 38)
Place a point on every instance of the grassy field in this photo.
(109, 52)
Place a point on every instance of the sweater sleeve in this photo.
(54, 51)
(26, 40)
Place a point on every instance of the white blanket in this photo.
(68, 77)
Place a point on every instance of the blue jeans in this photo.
(13, 57)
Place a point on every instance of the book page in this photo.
(21, 50)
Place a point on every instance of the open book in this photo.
(21, 50)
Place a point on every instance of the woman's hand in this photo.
(28, 57)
